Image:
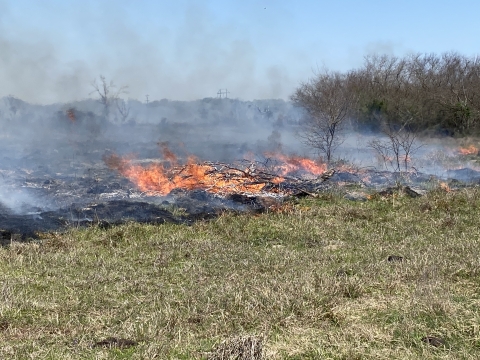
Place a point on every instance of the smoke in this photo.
(18, 200)
(188, 60)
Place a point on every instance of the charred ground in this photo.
(54, 172)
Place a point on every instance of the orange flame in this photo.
(471, 150)
(158, 179)
(167, 153)
(291, 164)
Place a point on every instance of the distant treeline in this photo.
(438, 93)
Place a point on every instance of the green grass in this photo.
(312, 279)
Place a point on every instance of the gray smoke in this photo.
(189, 63)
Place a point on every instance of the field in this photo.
(318, 278)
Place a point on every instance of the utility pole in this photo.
(221, 92)
(147, 97)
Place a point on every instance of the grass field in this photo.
(313, 280)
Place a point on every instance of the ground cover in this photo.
(317, 278)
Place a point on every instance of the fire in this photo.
(471, 150)
(167, 153)
(291, 164)
(162, 178)
(156, 179)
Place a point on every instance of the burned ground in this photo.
(53, 173)
(104, 197)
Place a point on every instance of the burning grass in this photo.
(315, 281)
(249, 177)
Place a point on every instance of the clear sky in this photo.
(51, 50)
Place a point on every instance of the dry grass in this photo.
(315, 280)
(238, 348)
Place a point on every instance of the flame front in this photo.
(158, 179)
(291, 164)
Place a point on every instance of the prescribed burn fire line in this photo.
(214, 177)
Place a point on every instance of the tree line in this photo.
(415, 93)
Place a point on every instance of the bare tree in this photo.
(123, 109)
(396, 150)
(440, 92)
(327, 101)
(108, 92)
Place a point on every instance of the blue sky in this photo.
(51, 50)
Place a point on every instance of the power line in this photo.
(221, 93)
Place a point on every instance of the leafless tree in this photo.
(108, 92)
(426, 91)
(460, 98)
(123, 109)
(396, 150)
(327, 101)
(438, 91)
